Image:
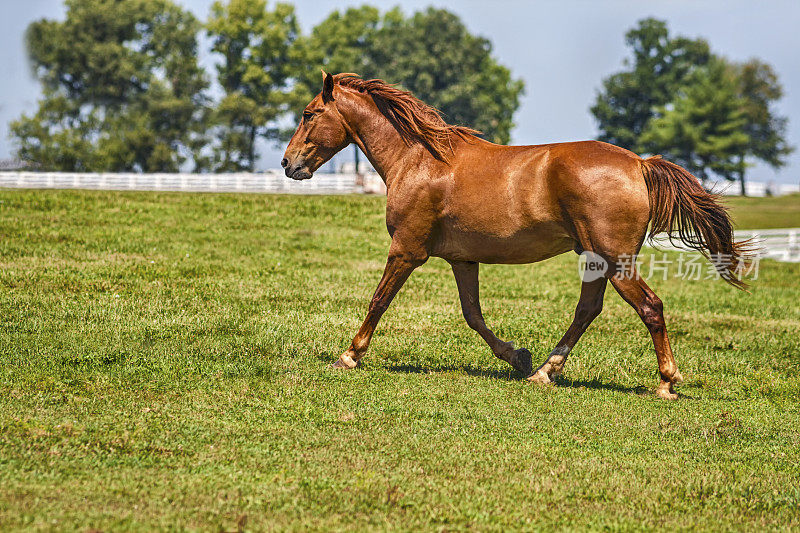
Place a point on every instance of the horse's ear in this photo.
(327, 87)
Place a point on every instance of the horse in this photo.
(453, 195)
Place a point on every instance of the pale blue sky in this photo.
(562, 49)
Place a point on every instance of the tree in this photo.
(258, 60)
(703, 129)
(675, 92)
(758, 87)
(122, 88)
(343, 42)
(431, 54)
(434, 56)
(631, 98)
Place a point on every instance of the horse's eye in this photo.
(307, 115)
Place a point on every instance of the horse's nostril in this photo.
(284, 162)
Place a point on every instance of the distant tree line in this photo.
(677, 98)
(123, 88)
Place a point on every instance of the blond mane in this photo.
(415, 121)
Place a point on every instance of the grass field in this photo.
(164, 365)
(761, 213)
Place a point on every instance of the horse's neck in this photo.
(389, 155)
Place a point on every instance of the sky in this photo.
(561, 49)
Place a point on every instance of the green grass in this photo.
(768, 212)
(164, 365)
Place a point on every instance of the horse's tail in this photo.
(681, 207)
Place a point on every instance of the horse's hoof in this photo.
(344, 363)
(540, 377)
(665, 392)
(522, 362)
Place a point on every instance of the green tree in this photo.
(430, 53)
(257, 62)
(703, 129)
(434, 56)
(122, 88)
(343, 42)
(631, 98)
(759, 88)
(653, 106)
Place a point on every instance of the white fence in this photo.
(755, 188)
(271, 181)
(268, 182)
(778, 244)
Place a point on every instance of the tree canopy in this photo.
(122, 88)
(255, 69)
(631, 98)
(759, 88)
(702, 129)
(677, 98)
(430, 53)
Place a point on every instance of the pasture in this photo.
(164, 364)
(766, 212)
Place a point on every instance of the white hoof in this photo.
(540, 377)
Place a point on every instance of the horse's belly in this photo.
(526, 245)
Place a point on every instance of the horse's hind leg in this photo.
(589, 306)
(466, 274)
(635, 291)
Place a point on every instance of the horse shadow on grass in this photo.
(505, 375)
(596, 384)
(513, 375)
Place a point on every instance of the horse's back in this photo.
(533, 184)
(521, 204)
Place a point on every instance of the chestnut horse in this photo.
(453, 195)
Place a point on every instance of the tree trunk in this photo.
(355, 152)
(251, 150)
(741, 175)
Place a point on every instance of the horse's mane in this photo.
(414, 120)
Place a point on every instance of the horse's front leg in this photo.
(400, 264)
(466, 274)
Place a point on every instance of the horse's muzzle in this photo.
(299, 174)
(296, 171)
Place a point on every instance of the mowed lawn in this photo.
(760, 213)
(164, 365)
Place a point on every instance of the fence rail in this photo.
(271, 181)
(756, 188)
(268, 182)
(779, 244)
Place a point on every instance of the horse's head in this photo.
(321, 134)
